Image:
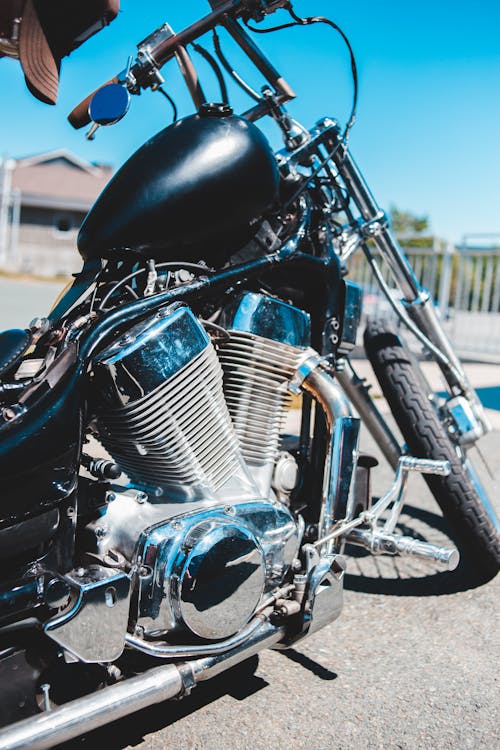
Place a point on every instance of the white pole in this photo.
(6, 167)
(445, 281)
(14, 231)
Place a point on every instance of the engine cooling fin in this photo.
(256, 376)
(170, 427)
(268, 340)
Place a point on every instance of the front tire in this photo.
(460, 497)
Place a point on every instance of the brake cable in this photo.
(343, 142)
(216, 69)
(167, 96)
(231, 71)
(309, 21)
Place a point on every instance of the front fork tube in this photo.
(423, 312)
(418, 301)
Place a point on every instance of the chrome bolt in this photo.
(114, 672)
(45, 688)
(184, 275)
(57, 593)
(41, 325)
(326, 122)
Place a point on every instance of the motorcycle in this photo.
(157, 528)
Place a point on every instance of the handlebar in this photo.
(79, 116)
(163, 44)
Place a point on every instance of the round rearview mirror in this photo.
(109, 104)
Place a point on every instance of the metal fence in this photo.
(466, 286)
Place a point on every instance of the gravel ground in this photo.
(409, 664)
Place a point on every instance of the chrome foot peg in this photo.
(424, 466)
(386, 543)
(374, 528)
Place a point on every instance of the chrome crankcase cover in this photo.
(204, 572)
(218, 579)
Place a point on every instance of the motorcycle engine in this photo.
(197, 432)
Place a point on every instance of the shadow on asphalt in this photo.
(313, 666)
(464, 578)
(239, 682)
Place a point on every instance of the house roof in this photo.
(59, 179)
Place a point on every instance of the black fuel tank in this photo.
(194, 191)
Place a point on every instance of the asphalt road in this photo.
(411, 662)
(21, 301)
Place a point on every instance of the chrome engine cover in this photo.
(204, 572)
(162, 412)
(208, 541)
(218, 577)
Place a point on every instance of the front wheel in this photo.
(460, 495)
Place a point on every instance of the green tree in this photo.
(411, 230)
(406, 223)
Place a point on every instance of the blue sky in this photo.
(428, 129)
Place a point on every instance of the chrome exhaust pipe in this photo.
(358, 393)
(154, 686)
(341, 453)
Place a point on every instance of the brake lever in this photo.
(125, 78)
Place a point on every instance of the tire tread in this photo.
(402, 385)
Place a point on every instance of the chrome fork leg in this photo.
(417, 300)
